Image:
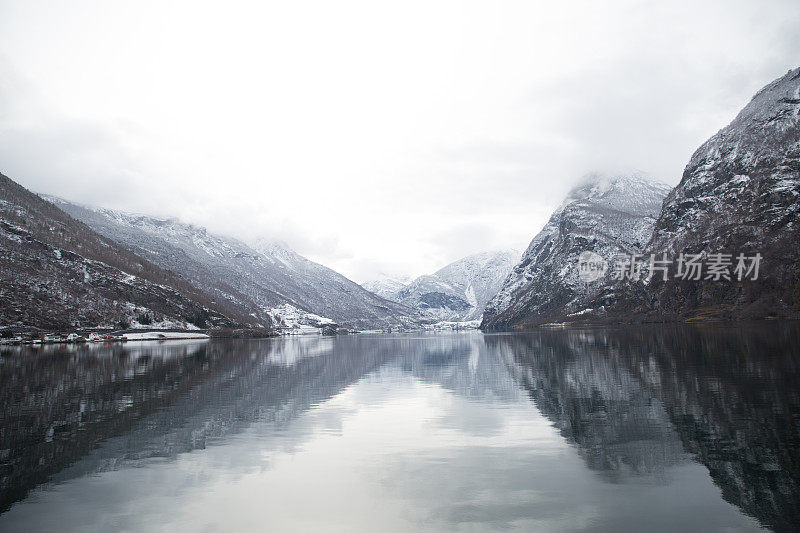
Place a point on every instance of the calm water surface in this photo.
(638, 429)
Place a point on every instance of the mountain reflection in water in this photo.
(634, 399)
(647, 427)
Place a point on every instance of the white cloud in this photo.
(362, 133)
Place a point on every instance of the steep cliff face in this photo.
(740, 193)
(609, 216)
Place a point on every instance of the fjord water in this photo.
(645, 429)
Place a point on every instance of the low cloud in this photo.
(361, 148)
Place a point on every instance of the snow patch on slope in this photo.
(291, 320)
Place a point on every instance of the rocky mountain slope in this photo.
(739, 194)
(262, 278)
(56, 272)
(609, 216)
(460, 290)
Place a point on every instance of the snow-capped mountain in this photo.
(460, 290)
(57, 273)
(386, 286)
(605, 215)
(740, 193)
(261, 278)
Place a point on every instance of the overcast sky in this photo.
(371, 136)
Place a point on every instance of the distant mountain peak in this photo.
(456, 292)
(386, 286)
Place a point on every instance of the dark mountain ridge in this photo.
(57, 273)
(739, 196)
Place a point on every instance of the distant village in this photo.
(38, 337)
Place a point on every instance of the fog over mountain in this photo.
(56, 272)
(370, 137)
(608, 215)
(736, 202)
(459, 265)
(260, 278)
